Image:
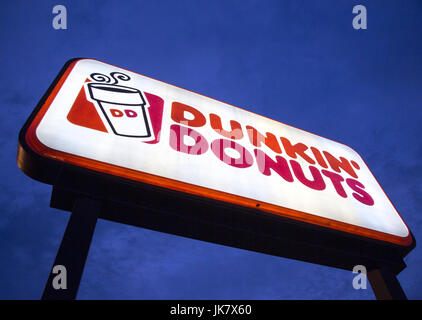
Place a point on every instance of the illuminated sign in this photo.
(120, 123)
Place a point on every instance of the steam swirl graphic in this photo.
(99, 77)
(119, 76)
(116, 76)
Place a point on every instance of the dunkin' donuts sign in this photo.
(121, 123)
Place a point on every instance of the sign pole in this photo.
(73, 251)
(385, 284)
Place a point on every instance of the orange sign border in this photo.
(42, 150)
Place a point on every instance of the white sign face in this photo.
(115, 121)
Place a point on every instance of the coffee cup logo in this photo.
(123, 107)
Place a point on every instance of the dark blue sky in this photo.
(299, 62)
